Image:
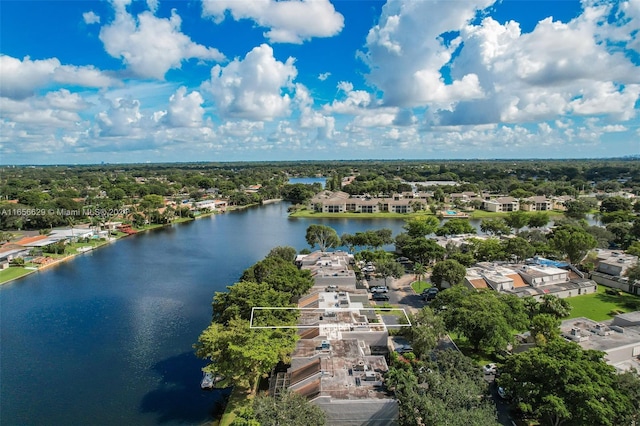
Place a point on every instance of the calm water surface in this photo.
(107, 338)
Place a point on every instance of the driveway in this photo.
(400, 292)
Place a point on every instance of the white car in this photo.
(490, 369)
(380, 289)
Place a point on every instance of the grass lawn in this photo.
(419, 286)
(12, 273)
(600, 306)
(239, 398)
(482, 214)
(480, 357)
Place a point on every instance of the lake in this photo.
(107, 337)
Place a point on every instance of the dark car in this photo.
(379, 297)
(430, 293)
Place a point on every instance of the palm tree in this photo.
(419, 270)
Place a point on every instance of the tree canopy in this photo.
(448, 270)
(573, 241)
(560, 383)
(323, 236)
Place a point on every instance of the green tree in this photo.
(284, 252)
(614, 204)
(456, 227)
(553, 305)
(287, 409)
(388, 269)
(421, 226)
(628, 384)
(419, 270)
(545, 327)
(488, 250)
(495, 227)
(448, 270)
(621, 233)
(560, 383)
(425, 332)
(538, 219)
(518, 248)
(482, 318)
(323, 236)
(633, 273)
(616, 217)
(422, 250)
(517, 220)
(152, 201)
(240, 354)
(450, 392)
(634, 248)
(279, 274)
(577, 209)
(240, 298)
(572, 241)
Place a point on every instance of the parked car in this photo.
(403, 349)
(379, 289)
(379, 297)
(490, 369)
(331, 288)
(502, 393)
(430, 293)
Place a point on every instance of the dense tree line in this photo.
(113, 186)
(238, 353)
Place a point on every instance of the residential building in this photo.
(619, 338)
(501, 204)
(537, 204)
(329, 269)
(339, 364)
(528, 280)
(559, 203)
(611, 267)
(339, 202)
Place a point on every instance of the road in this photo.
(402, 295)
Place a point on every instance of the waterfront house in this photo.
(340, 202)
(537, 204)
(339, 362)
(329, 269)
(501, 204)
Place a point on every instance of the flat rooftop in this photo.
(599, 336)
(343, 369)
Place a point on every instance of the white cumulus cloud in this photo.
(90, 18)
(21, 78)
(292, 21)
(122, 119)
(406, 51)
(151, 46)
(254, 87)
(185, 110)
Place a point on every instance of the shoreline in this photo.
(306, 214)
(71, 256)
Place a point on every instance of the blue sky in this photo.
(255, 80)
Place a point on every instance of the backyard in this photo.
(600, 306)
